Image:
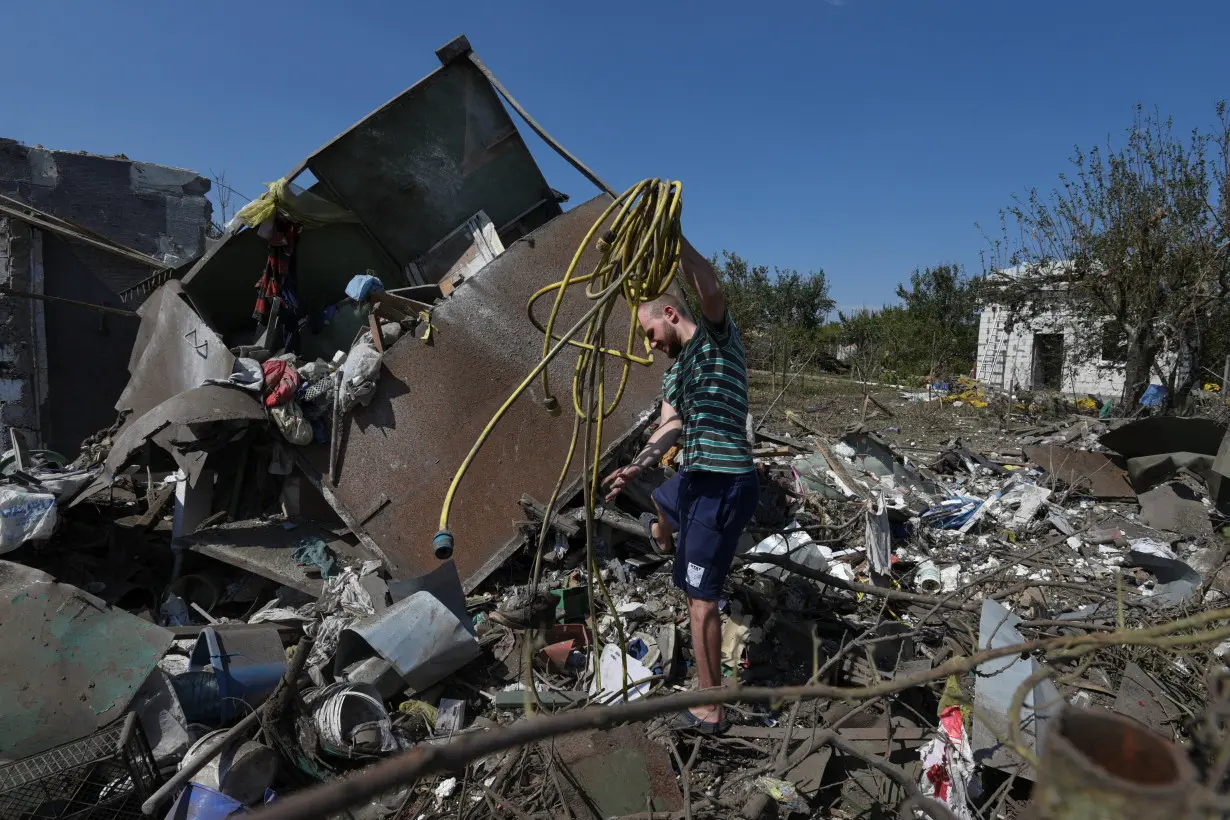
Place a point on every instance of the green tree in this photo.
(1134, 238)
(941, 322)
(776, 313)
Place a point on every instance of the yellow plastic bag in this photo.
(304, 207)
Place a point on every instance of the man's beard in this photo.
(673, 347)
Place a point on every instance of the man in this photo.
(712, 498)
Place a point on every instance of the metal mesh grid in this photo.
(105, 776)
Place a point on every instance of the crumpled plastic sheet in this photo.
(359, 374)
(948, 765)
(878, 538)
(25, 516)
(247, 374)
(794, 544)
(342, 602)
(611, 668)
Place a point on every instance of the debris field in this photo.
(953, 602)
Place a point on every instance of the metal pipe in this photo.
(538, 129)
(1098, 765)
(42, 297)
(181, 778)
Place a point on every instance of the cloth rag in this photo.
(314, 551)
(282, 380)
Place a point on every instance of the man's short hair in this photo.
(667, 300)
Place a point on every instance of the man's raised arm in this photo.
(703, 278)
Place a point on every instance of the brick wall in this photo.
(157, 210)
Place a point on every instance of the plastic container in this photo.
(197, 802)
(927, 578)
(202, 588)
(247, 666)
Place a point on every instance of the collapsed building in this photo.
(233, 591)
(86, 228)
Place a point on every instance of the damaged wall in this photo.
(1014, 358)
(51, 351)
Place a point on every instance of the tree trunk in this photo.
(1141, 347)
(1187, 367)
(785, 361)
(773, 365)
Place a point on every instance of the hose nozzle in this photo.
(442, 545)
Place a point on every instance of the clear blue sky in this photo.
(864, 137)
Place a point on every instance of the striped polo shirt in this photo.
(707, 386)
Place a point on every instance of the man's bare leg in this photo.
(662, 531)
(707, 648)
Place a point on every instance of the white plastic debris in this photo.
(612, 669)
(25, 516)
(928, 578)
(878, 537)
(843, 571)
(1154, 547)
(796, 545)
(446, 788)
(948, 765)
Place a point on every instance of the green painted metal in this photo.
(71, 663)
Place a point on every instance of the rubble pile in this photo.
(951, 603)
(869, 571)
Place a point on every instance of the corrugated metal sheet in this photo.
(433, 400)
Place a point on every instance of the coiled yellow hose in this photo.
(639, 258)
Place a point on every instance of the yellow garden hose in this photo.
(639, 257)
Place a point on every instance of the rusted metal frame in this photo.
(533, 124)
(568, 491)
(42, 297)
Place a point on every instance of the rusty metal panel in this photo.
(433, 400)
(617, 771)
(430, 159)
(1094, 472)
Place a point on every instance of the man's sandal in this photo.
(686, 721)
(647, 521)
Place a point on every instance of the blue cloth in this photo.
(362, 286)
(1154, 395)
(709, 511)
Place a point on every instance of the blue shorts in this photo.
(709, 511)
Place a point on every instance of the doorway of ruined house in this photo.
(1048, 361)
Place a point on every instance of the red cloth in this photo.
(281, 382)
